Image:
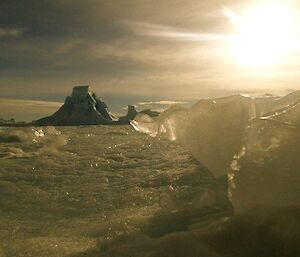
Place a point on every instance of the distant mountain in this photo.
(83, 107)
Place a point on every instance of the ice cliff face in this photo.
(83, 107)
(255, 142)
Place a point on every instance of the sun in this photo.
(266, 35)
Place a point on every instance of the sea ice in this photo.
(255, 142)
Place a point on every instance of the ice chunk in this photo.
(212, 130)
(268, 172)
(256, 142)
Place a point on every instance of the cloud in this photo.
(162, 102)
(11, 32)
(173, 33)
(175, 50)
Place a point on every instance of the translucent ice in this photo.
(255, 142)
(213, 130)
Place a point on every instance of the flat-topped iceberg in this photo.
(83, 107)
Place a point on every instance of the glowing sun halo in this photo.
(265, 35)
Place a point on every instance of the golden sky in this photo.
(150, 50)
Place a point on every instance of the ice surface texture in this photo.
(107, 181)
(253, 141)
(111, 191)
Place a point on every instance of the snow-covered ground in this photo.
(68, 190)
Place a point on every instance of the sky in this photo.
(129, 51)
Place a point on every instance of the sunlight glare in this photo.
(265, 35)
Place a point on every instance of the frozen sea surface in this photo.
(114, 192)
(76, 190)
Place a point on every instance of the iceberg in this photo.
(83, 107)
